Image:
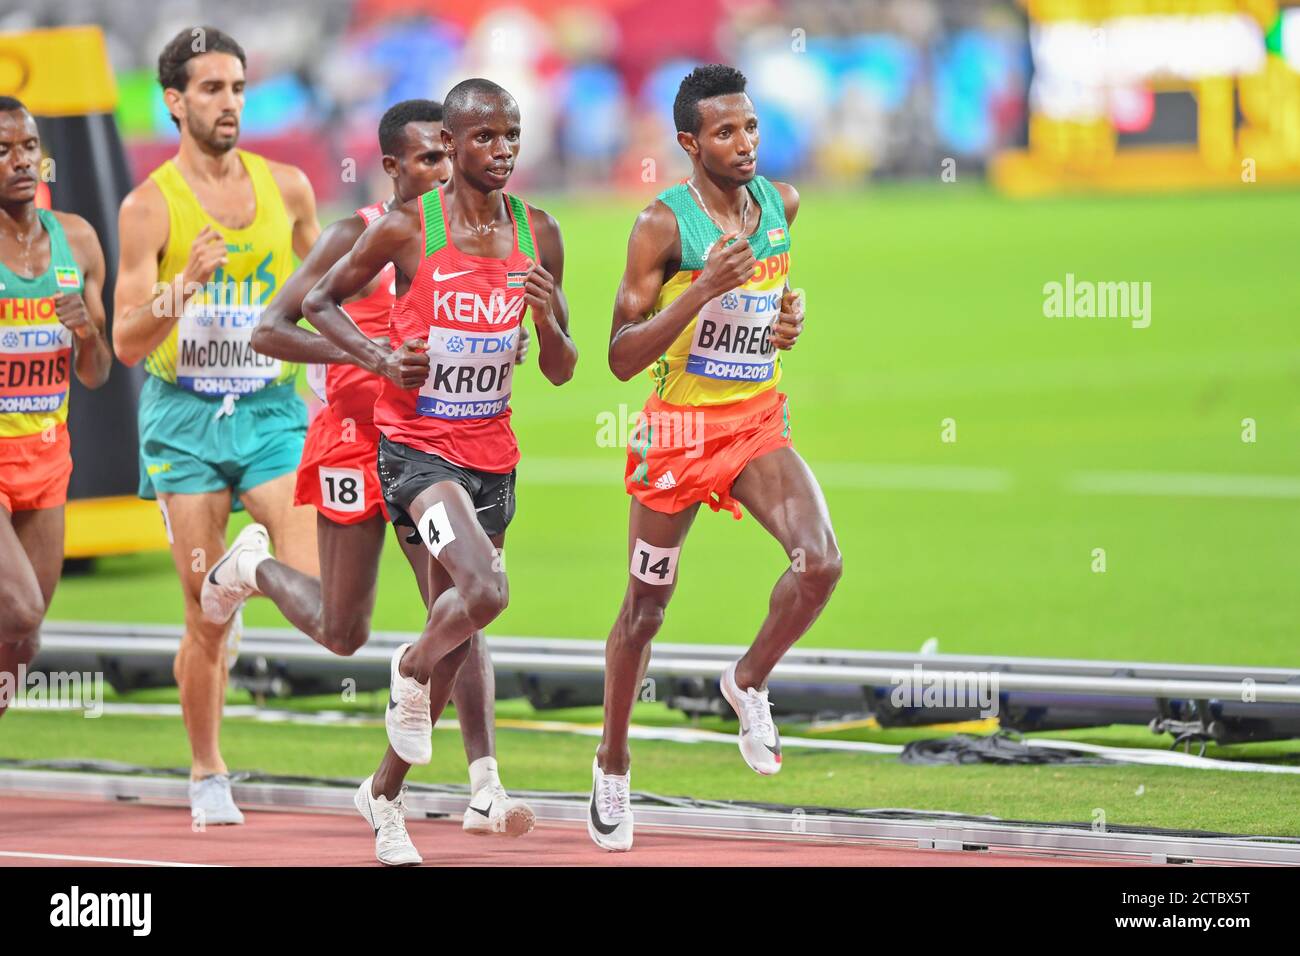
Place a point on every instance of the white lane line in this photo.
(323, 718)
(572, 471)
(1184, 484)
(96, 859)
(1166, 758)
(691, 735)
(876, 476)
(847, 475)
(860, 475)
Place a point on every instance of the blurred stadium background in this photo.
(955, 157)
(855, 90)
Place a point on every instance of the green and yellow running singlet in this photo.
(724, 355)
(209, 351)
(35, 347)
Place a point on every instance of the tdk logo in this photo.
(751, 303)
(491, 345)
(226, 318)
(35, 338)
(39, 338)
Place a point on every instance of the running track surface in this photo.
(130, 833)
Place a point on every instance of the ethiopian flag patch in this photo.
(67, 278)
(515, 280)
(775, 237)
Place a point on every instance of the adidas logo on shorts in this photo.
(666, 481)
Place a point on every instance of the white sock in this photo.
(482, 773)
(246, 564)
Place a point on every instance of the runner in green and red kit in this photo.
(706, 305)
(51, 325)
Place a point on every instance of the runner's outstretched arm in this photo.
(278, 334)
(635, 341)
(557, 355)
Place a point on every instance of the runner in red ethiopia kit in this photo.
(51, 327)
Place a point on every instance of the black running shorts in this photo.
(404, 472)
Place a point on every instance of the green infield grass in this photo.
(1072, 435)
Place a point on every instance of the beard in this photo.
(217, 141)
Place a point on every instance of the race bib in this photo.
(34, 362)
(470, 373)
(654, 565)
(343, 489)
(215, 351)
(730, 340)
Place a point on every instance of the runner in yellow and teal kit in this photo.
(207, 240)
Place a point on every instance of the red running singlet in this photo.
(349, 390)
(469, 309)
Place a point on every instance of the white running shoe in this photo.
(492, 810)
(234, 637)
(224, 590)
(410, 729)
(387, 818)
(211, 803)
(760, 744)
(610, 821)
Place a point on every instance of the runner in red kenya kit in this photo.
(339, 477)
(470, 259)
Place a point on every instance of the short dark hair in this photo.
(457, 105)
(703, 83)
(392, 125)
(10, 105)
(173, 61)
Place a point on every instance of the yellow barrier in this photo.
(58, 72)
(97, 527)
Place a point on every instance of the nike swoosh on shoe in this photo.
(604, 828)
(212, 574)
(485, 813)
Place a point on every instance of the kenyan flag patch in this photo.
(776, 237)
(515, 280)
(67, 278)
